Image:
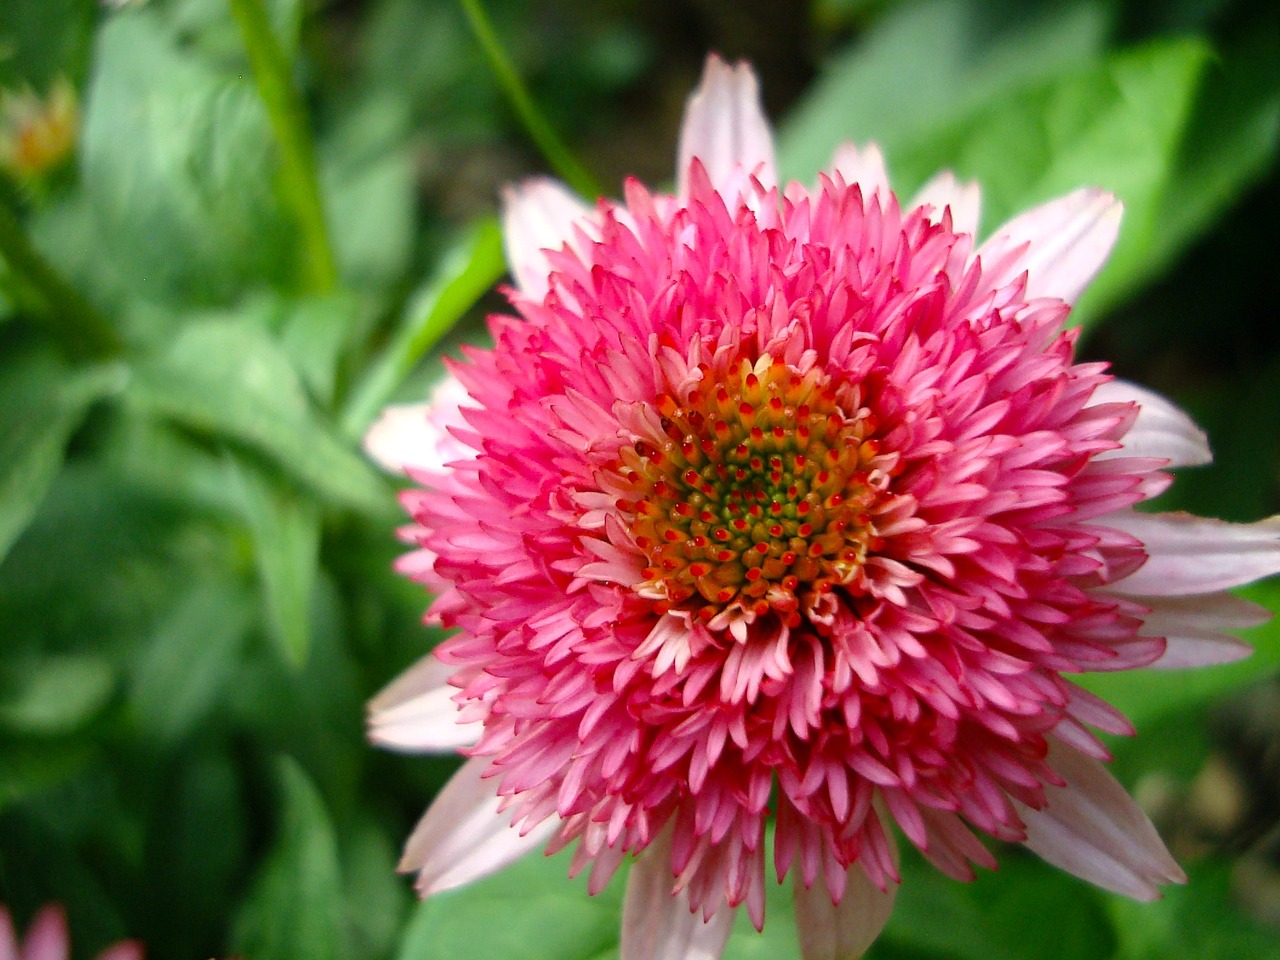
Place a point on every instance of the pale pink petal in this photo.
(1195, 628)
(725, 128)
(8, 936)
(1161, 430)
(463, 836)
(1061, 245)
(416, 713)
(47, 937)
(962, 197)
(844, 930)
(417, 435)
(1195, 555)
(538, 215)
(124, 950)
(863, 166)
(658, 924)
(1092, 828)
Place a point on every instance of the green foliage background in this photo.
(276, 214)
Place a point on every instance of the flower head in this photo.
(790, 504)
(47, 939)
(37, 135)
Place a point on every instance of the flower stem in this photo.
(535, 124)
(83, 331)
(299, 183)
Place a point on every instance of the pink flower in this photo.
(47, 939)
(794, 504)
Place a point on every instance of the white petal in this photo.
(962, 197)
(1195, 555)
(1061, 245)
(1161, 430)
(418, 435)
(863, 166)
(845, 930)
(725, 127)
(416, 712)
(538, 215)
(463, 836)
(1094, 829)
(658, 924)
(1195, 628)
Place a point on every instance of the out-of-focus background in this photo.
(210, 281)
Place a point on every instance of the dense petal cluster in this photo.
(790, 504)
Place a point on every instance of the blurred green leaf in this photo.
(31, 767)
(294, 909)
(1198, 921)
(59, 694)
(285, 529)
(188, 660)
(376, 897)
(178, 164)
(314, 333)
(544, 917)
(40, 406)
(42, 39)
(231, 380)
(924, 64)
(1144, 695)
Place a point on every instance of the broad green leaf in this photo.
(33, 766)
(59, 694)
(314, 334)
(232, 381)
(186, 663)
(285, 529)
(925, 63)
(376, 898)
(40, 405)
(1144, 695)
(178, 164)
(294, 909)
(42, 39)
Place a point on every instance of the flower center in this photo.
(758, 497)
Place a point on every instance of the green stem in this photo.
(83, 331)
(535, 124)
(299, 182)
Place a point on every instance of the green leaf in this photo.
(543, 915)
(32, 767)
(1199, 921)
(923, 64)
(186, 663)
(461, 279)
(178, 165)
(40, 407)
(231, 380)
(1145, 695)
(59, 694)
(285, 529)
(294, 909)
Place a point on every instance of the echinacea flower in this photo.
(790, 504)
(47, 939)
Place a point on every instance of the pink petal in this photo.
(1195, 555)
(841, 931)
(463, 836)
(863, 166)
(1161, 430)
(1092, 828)
(962, 197)
(724, 127)
(416, 713)
(1195, 628)
(658, 924)
(1061, 245)
(47, 937)
(538, 215)
(8, 936)
(124, 950)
